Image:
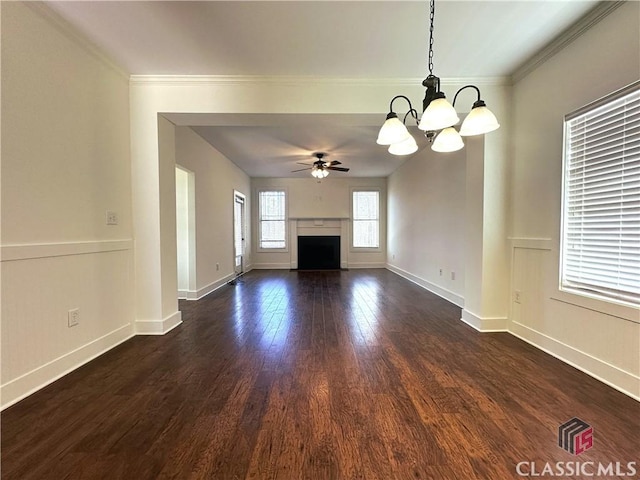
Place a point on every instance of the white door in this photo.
(238, 231)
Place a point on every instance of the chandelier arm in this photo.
(413, 113)
(466, 86)
(400, 96)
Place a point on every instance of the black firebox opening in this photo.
(319, 253)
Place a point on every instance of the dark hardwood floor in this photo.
(315, 375)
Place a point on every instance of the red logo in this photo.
(575, 436)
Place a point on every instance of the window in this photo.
(600, 247)
(366, 219)
(272, 212)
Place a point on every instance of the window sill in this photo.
(365, 249)
(609, 307)
(272, 250)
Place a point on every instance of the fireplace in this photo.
(318, 252)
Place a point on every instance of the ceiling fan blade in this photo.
(300, 170)
(338, 169)
(303, 163)
(334, 162)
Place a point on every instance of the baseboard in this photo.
(204, 291)
(185, 294)
(23, 386)
(623, 381)
(158, 327)
(441, 292)
(272, 266)
(366, 265)
(484, 324)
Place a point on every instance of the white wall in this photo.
(456, 205)
(594, 336)
(330, 200)
(216, 178)
(426, 229)
(65, 162)
(182, 230)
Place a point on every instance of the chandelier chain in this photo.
(432, 8)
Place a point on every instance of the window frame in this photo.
(259, 246)
(353, 219)
(577, 295)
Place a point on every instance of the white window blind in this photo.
(272, 208)
(601, 200)
(366, 219)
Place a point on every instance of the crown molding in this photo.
(585, 23)
(285, 80)
(73, 34)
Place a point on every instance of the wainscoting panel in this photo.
(603, 345)
(40, 284)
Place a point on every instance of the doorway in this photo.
(185, 232)
(239, 231)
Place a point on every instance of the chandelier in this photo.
(438, 116)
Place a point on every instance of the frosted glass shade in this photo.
(319, 172)
(438, 115)
(448, 140)
(480, 120)
(405, 147)
(392, 131)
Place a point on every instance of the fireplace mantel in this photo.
(319, 226)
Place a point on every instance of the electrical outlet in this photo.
(217, 266)
(517, 296)
(112, 218)
(453, 275)
(73, 317)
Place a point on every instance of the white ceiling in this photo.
(346, 39)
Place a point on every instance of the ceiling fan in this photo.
(320, 168)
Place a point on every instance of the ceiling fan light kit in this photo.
(319, 172)
(438, 115)
(320, 168)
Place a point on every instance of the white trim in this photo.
(592, 18)
(604, 306)
(531, 243)
(293, 80)
(441, 292)
(23, 386)
(484, 324)
(366, 265)
(158, 327)
(43, 250)
(206, 290)
(623, 381)
(185, 294)
(272, 266)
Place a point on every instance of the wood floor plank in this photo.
(314, 375)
